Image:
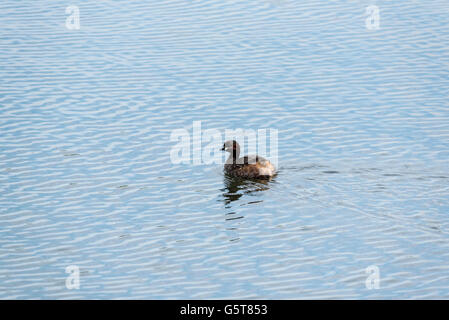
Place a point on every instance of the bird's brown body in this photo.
(248, 166)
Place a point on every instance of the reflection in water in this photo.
(236, 187)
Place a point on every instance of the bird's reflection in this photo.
(236, 187)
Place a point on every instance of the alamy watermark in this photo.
(73, 279)
(190, 148)
(373, 279)
(73, 20)
(372, 22)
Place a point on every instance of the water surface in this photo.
(85, 173)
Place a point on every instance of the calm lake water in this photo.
(363, 141)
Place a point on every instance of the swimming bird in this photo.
(248, 166)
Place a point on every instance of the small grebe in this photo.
(248, 166)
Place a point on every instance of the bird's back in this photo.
(251, 167)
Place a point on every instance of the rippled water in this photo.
(85, 173)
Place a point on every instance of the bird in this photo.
(253, 166)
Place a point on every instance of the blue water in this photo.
(363, 142)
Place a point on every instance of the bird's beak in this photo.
(222, 149)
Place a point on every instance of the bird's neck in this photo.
(233, 156)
